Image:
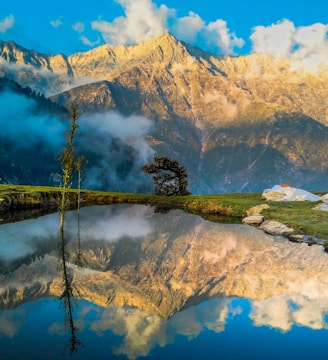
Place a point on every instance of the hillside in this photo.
(236, 123)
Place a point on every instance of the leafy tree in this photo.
(67, 160)
(170, 178)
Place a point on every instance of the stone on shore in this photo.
(253, 219)
(276, 228)
(256, 210)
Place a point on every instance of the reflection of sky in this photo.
(219, 328)
(287, 282)
(111, 223)
(24, 238)
(98, 222)
(284, 311)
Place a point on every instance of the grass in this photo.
(299, 215)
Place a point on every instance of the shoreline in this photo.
(217, 207)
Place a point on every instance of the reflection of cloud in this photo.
(106, 223)
(284, 311)
(11, 322)
(25, 239)
(98, 223)
(143, 331)
(57, 329)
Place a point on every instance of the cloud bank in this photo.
(20, 124)
(143, 20)
(114, 146)
(283, 40)
(216, 35)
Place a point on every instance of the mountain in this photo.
(237, 123)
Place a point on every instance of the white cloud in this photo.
(131, 130)
(143, 20)
(79, 27)
(217, 34)
(6, 23)
(188, 27)
(88, 42)
(56, 23)
(276, 39)
(308, 44)
(108, 225)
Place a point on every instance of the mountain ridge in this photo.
(199, 105)
(241, 86)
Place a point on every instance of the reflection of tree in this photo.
(67, 298)
(79, 260)
(162, 209)
(67, 160)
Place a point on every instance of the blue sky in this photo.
(289, 29)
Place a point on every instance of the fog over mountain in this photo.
(236, 123)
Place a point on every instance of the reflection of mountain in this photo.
(161, 263)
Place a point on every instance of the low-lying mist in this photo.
(31, 141)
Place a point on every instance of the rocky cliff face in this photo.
(171, 77)
(218, 116)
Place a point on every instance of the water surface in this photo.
(130, 282)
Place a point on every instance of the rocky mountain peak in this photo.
(204, 107)
(14, 53)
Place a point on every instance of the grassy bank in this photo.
(298, 214)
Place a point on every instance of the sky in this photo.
(293, 29)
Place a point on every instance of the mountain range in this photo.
(236, 123)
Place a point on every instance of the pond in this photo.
(131, 281)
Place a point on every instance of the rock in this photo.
(283, 193)
(253, 220)
(321, 206)
(256, 210)
(276, 228)
(298, 238)
(324, 198)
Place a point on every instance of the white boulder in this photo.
(287, 193)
